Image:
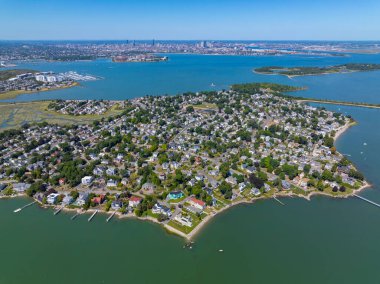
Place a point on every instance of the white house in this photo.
(87, 180)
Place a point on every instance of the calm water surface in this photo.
(322, 241)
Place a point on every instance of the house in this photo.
(162, 176)
(255, 191)
(116, 205)
(67, 200)
(52, 198)
(184, 220)
(175, 195)
(148, 186)
(98, 171)
(134, 201)
(266, 187)
(111, 171)
(87, 180)
(250, 170)
(161, 209)
(2, 186)
(111, 183)
(231, 180)
(197, 203)
(242, 186)
(20, 187)
(61, 181)
(285, 185)
(98, 199)
(82, 199)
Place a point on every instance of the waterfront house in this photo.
(20, 187)
(285, 185)
(197, 203)
(52, 198)
(184, 220)
(134, 201)
(82, 199)
(2, 186)
(255, 191)
(116, 205)
(161, 209)
(67, 200)
(98, 199)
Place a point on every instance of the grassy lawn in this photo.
(205, 106)
(16, 114)
(151, 214)
(338, 193)
(177, 200)
(298, 190)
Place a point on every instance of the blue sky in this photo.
(190, 19)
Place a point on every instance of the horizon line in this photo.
(131, 39)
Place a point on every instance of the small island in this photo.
(179, 160)
(139, 57)
(306, 71)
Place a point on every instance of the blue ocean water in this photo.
(200, 72)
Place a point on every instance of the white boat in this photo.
(213, 85)
(17, 210)
(220, 250)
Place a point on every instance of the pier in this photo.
(279, 201)
(76, 215)
(367, 200)
(58, 210)
(25, 206)
(110, 217)
(92, 216)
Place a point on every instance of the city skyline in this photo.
(207, 20)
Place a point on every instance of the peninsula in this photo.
(180, 160)
(20, 81)
(306, 71)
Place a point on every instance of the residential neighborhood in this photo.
(179, 159)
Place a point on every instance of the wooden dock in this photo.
(279, 201)
(58, 210)
(110, 217)
(76, 215)
(25, 206)
(367, 200)
(92, 216)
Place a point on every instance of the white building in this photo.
(87, 180)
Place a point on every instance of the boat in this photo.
(17, 210)
(220, 250)
(213, 85)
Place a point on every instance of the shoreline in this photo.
(190, 236)
(14, 94)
